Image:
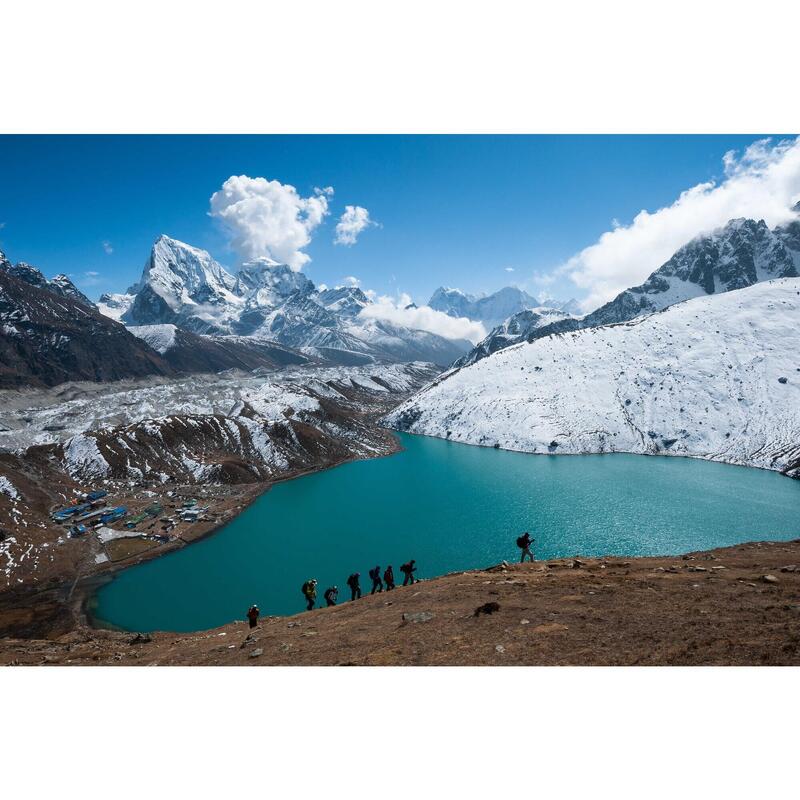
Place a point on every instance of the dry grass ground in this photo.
(717, 607)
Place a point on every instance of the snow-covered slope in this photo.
(715, 377)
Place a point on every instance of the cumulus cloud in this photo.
(269, 218)
(351, 280)
(107, 248)
(762, 183)
(400, 310)
(354, 220)
(509, 269)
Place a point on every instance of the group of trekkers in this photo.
(331, 594)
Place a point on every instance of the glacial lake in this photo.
(451, 507)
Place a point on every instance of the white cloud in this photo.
(761, 184)
(107, 248)
(269, 218)
(351, 280)
(354, 220)
(91, 273)
(422, 318)
(509, 269)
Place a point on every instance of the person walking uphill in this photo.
(408, 570)
(310, 593)
(330, 595)
(252, 615)
(377, 583)
(388, 577)
(355, 589)
(524, 543)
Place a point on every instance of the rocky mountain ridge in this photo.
(184, 286)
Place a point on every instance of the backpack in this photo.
(352, 581)
(374, 574)
(522, 541)
(307, 588)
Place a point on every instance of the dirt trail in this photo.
(733, 606)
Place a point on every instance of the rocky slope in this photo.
(49, 335)
(715, 377)
(732, 606)
(183, 286)
(192, 353)
(740, 254)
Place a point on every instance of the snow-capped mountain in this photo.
(516, 328)
(740, 254)
(183, 286)
(492, 309)
(714, 377)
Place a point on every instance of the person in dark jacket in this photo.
(377, 583)
(309, 590)
(388, 577)
(252, 615)
(330, 595)
(524, 543)
(355, 588)
(408, 570)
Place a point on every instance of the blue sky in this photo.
(452, 210)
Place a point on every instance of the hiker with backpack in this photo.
(524, 543)
(252, 615)
(309, 590)
(377, 583)
(355, 589)
(388, 577)
(408, 570)
(330, 595)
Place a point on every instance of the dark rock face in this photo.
(47, 338)
(60, 285)
(193, 353)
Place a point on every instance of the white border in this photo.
(360, 66)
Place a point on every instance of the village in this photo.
(143, 520)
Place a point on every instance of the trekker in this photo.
(377, 583)
(355, 589)
(524, 543)
(388, 577)
(408, 570)
(310, 593)
(330, 595)
(252, 615)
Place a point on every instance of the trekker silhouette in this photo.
(524, 543)
(355, 589)
(388, 577)
(408, 570)
(377, 583)
(330, 595)
(252, 615)
(309, 590)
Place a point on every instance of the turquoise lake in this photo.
(451, 507)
